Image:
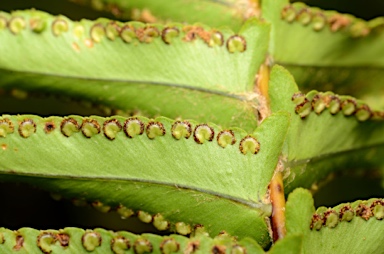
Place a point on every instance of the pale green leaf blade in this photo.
(319, 144)
(114, 96)
(197, 61)
(164, 153)
(76, 240)
(230, 180)
(355, 235)
(327, 46)
(326, 49)
(177, 205)
(299, 200)
(291, 244)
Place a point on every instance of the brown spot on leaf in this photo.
(236, 43)
(338, 21)
(69, 126)
(217, 249)
(192, 247)
(46, 238)
(333, 104)
(19, 242)
(249, 144)
(304, 16)
(146, 34)
(226, 137)
(181, 129)
(169, 33)
(37, 24)
(363, 211)
(76, 47)
(27, 127)
(155, 129)
(120, 243)
(142, 246)
(316, 222)
(63, 239)
(90, 127)
(113, 29)
(344, 210)
(6, 126)
(192, 32)
(91, 240)
(298, 97)
(4, 147)
(349, 106)
(363, 112)
(133, 127)
(330, 218)
(289, 13)
(203, 132)
(303, 109)
(111, 127)
(88, 43)
(377, 202)
(327, 214)
(49, 127)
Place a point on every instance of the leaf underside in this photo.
(75, 240)
(200, 173)
(315, 145)
(356, 236)
(201, 67)
(140, 166)
(337, 52)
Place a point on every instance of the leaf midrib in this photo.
(242, 97)
(245, 202)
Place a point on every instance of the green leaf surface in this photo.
(75, 240)
(299, 211)
(197, 61)
(173, 156)
(231, 177)
(356, 236)
(322, 143)
(204, 106)
(291, 244)
(194, 177)
(176, 205)
(322, 47)
(343, 54)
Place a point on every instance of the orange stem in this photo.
(278, 206)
